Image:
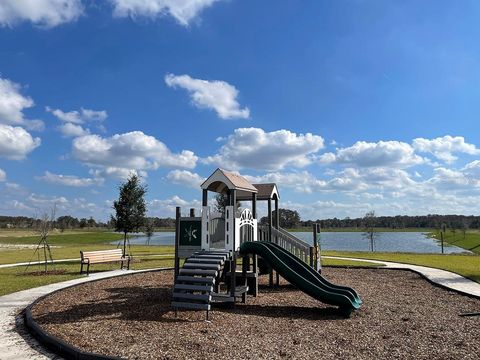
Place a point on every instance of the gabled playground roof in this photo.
(221, 180)
(265, 192)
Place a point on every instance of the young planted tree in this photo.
(130, 208)
(369, 223)
(44, 225)
(464, 228)
(149, 229)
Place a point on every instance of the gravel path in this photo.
(403, 317)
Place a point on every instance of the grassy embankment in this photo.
(463, 264)
(67, 245)
(468, 241)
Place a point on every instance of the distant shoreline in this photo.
(308, 229)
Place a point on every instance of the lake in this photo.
(415, 242)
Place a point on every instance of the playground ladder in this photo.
(196, 280)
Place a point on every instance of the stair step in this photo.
(196, 280)
(209, 256)
(201, 266)
(190, 287)
(194, 297)
(222, 298)
(205, 261)
(222, 253)
(198, 272)
(187, 305)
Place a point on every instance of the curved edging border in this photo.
(59, 346)
(389, 265)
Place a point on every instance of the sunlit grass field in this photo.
(67, 245)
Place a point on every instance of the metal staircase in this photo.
(197, 279)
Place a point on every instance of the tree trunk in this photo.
(124, 243)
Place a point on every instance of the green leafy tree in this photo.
(130, 208)
(289, 219)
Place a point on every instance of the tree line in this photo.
(291, 219)
(431, 221)
(288, 219)
(67, 222)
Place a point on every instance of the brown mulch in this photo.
(403, 317)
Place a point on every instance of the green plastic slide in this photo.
(302, 276)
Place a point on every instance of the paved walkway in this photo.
(440, 277)
(16, 343)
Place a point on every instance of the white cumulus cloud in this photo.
(185, 177)
(44, 13)
(443, 148)
(117, 172)
(166, 207)
(72, 130)
(3, 175)
(255, 148)
(472, 169)
(184, 11)
(300, 181)
(12, 105)
(123, 153)
(379, 154)
(217, 95)
(78, 116)
(16, 142)
(69, 180)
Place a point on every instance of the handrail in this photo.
(287, 241)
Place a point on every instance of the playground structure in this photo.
(213, 243)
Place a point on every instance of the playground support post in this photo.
(441, 237)
(442, 232)
(178, 214)
(315, 257)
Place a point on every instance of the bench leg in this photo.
(81, 268)
(88, 269)
(128, 264)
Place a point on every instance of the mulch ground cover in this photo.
(403, 317)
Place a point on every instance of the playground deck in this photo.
(403, 316)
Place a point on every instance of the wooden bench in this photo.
(102, 256)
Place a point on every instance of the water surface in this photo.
(415, 242)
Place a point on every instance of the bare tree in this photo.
(44, 226)
(369, 222)
(464, 229)
(149, 229)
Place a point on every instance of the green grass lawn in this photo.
(465, 265)
(68, 246)
(20, 278)
(469, 241)
(76, 238)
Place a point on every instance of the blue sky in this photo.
(348, 105)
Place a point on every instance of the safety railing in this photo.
(286, 240)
